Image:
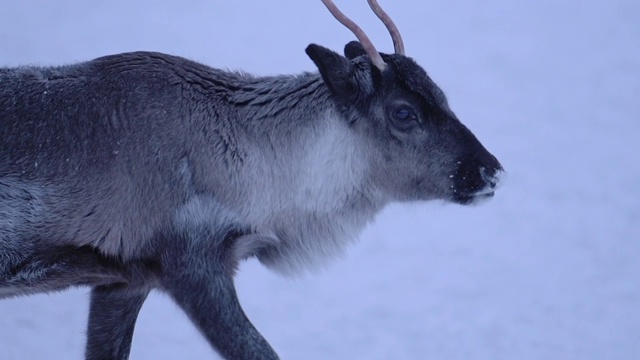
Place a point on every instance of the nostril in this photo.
(493, 178)
(488, 179)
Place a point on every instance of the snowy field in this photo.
(549, 269)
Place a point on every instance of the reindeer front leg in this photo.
(212, 304)
(198, 274)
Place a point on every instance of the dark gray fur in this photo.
(144, 171)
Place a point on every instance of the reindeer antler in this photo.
(398, 44)
(359, 33)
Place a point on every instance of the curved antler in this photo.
(398, 44)
(359, 33)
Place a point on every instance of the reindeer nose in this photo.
(490, 163)
(492, 179)
(491, 170)
(476, 177)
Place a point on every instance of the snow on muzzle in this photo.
(476, 179)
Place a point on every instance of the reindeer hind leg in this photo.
(112, 318)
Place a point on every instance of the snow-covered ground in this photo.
(549, 269)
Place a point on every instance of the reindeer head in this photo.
(418, 148)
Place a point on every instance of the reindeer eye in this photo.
(402, 116)
(405, 113)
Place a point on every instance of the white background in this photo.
(548, 269)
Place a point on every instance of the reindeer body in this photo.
(137, 148)
(151, 131)
(144, 171)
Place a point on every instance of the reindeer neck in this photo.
(287, 101)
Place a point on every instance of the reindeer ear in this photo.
(336, 70)
(354, 49)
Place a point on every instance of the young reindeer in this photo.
(143, 171)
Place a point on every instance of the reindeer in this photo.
(143, 171)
